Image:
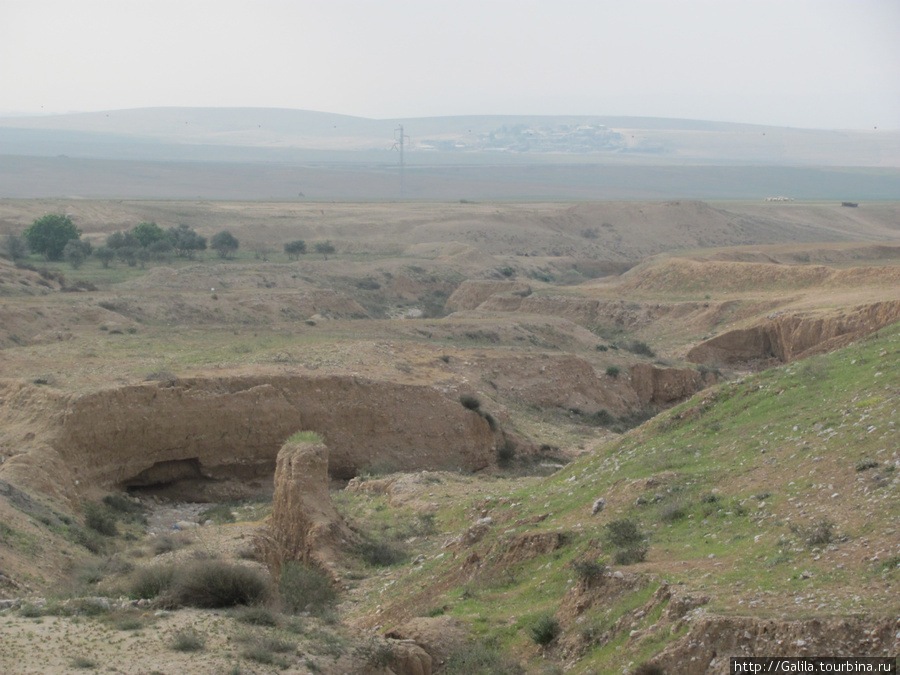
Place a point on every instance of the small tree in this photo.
(129, 254)
(224, 243)
(105, 255)
(185, 241)
(16, 247)
(75, 251)
(160, 250)
(324, 247)
(295, 249)
(147, 233)
(50, 234)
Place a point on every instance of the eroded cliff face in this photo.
(789, 337)
(232, 427)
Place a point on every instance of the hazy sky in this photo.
(800, 63)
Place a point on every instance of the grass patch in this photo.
(256, 615)
(305, 437)
(220, 514)
(266, 649)
(187, 640)
(305, 589)
(481, 658)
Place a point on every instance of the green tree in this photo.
(186, 241)
(50, 234)
(119, 240)
(105, 255)
(147, 233)
(75, 251)
(324, 247)
(160, 250)
(224, 243)
(295, 249)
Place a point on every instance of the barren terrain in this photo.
(722, 374)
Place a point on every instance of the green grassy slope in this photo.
(776, 496)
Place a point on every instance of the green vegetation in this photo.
(224, 243)
(220, 514)
(294, 249)
(49, 235)
(544, 630)
(202, 583)
(305, 437)
(84, 663)
(187, 640)
(324, 248)
(305, 589)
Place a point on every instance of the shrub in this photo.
(97, 519)
(625, 536)
(375, 653)
(589, 570)
(257, 616)
(84, 663)
(470, 402)
(613, 371)
(91, 540)
(672, 512)
(212, 583)
(187, 640)
(640, 348)
(220, 514)
(303, 588)
(150, 582)
(545, 630)
(165, 543)
(623, 533)
(629, 556)
(506, 453)
(481, 657)
(266, 649)
(16, 247)
(31, 611)
(866, 464)
(648, 669)
(381, 553)
(601, 418)
(818, 534)
(128, 510)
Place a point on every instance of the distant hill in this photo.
(260, 153)
(277, 134)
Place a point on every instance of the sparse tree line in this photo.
(55, 237)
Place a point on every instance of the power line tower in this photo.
(399, 142)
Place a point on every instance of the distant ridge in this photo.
(118, 134)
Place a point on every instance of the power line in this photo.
(400, 141)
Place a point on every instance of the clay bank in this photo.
(229, 427)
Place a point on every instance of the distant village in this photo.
(575, 138)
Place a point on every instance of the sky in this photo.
(798, 63)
